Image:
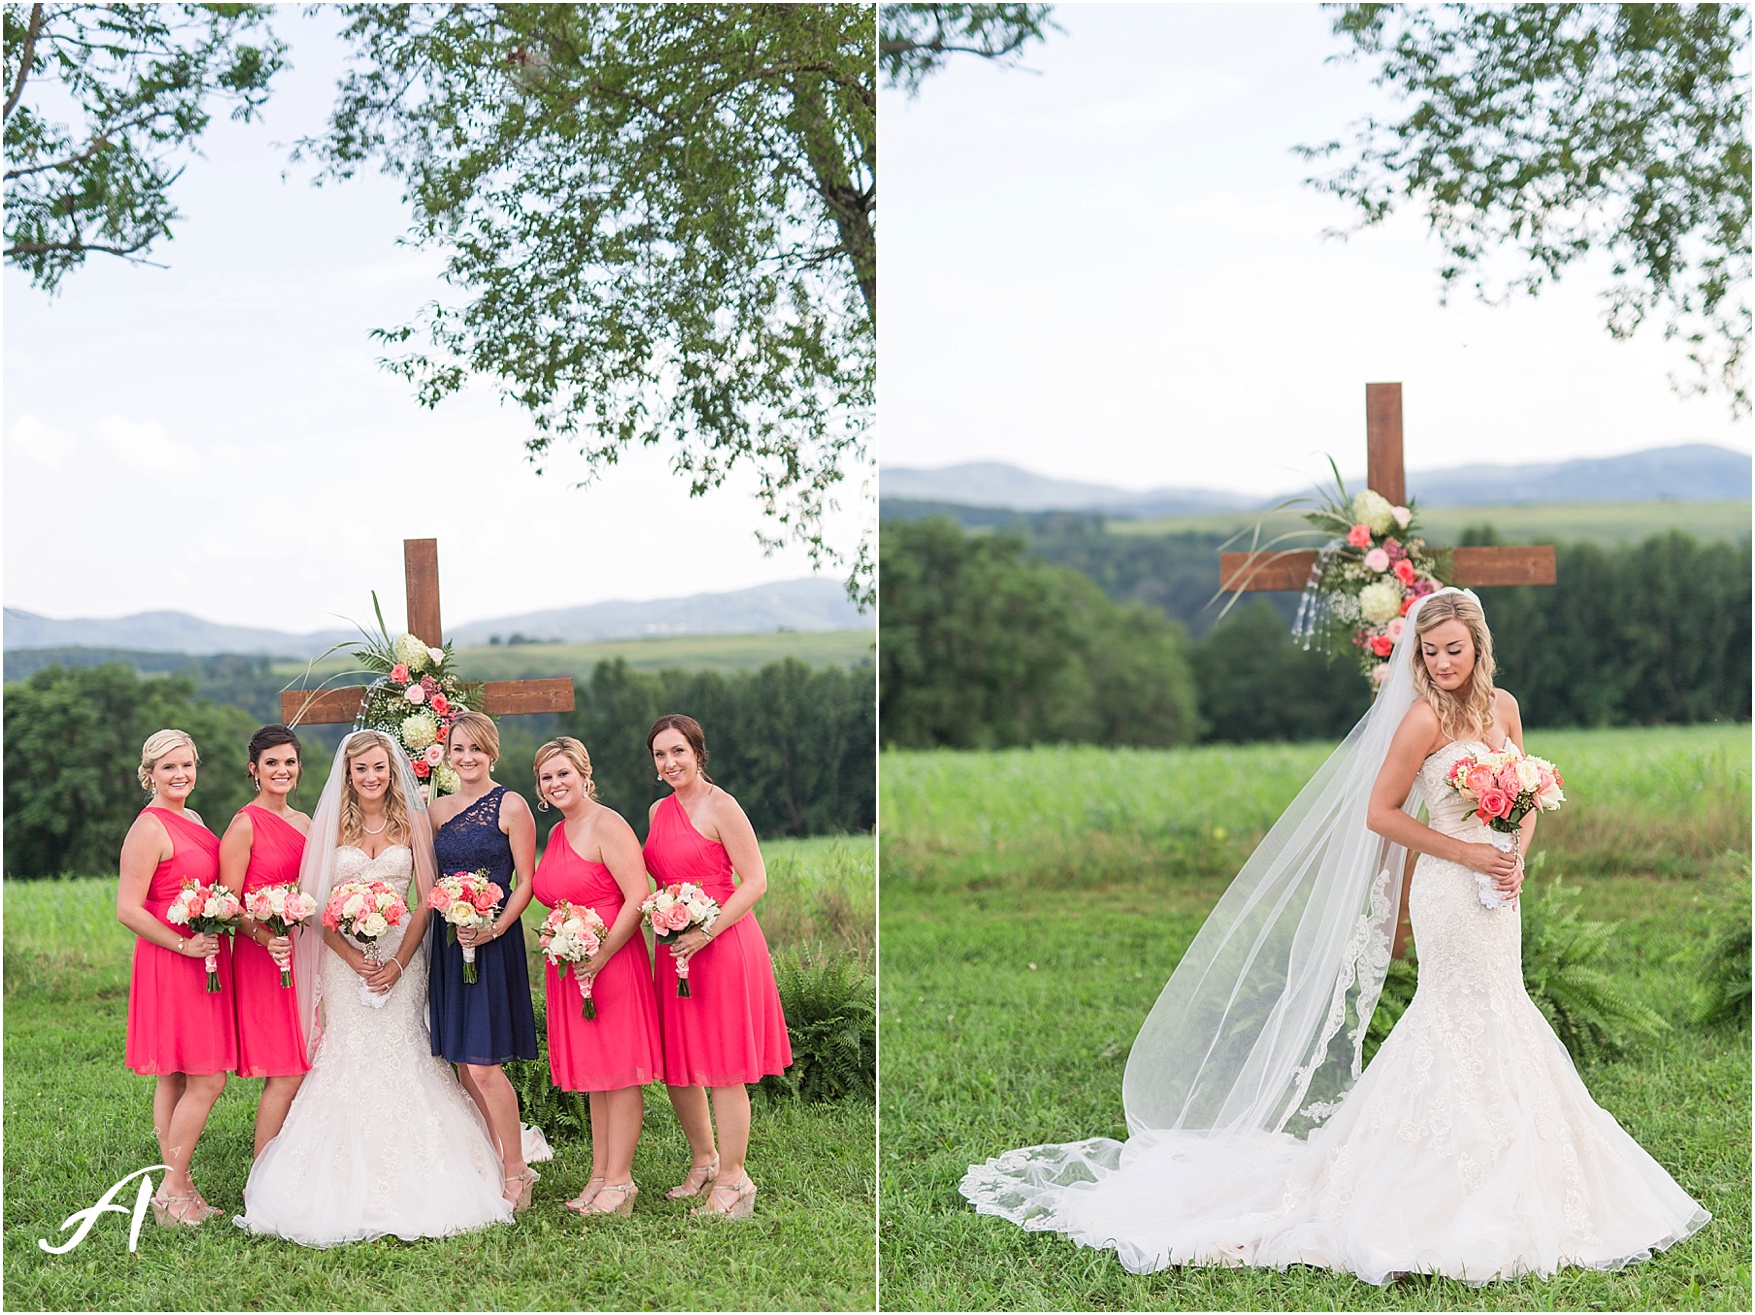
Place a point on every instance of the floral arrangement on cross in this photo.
(1366, 577)
(414, 700)
(1371, 570)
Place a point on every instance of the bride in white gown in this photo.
(381, 1139)
(1469, 1148)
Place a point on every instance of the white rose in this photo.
(1528, 776)
(1402, 516)
(419, 730)
(437, 655)
(1374, 510)
(373, 924)
(415, 694)
(1380, 601)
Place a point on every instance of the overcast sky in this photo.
(217, 438)
(1108, 269)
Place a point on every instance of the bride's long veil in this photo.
(1262, 1024)
(317, 875)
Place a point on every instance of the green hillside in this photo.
(722, 653)
(1603, 523)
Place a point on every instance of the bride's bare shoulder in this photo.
(1419, 720)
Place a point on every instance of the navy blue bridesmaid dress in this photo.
(490, 1020)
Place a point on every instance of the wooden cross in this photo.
(1480, 567)
(420, 561)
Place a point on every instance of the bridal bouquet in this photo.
(210, 909)
(363, 911)
(571, 934)
(672, 910)
(465, 899)
(280, 908)
(1505, 788)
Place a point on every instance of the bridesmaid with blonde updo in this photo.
(593, 859)
(178, 1031)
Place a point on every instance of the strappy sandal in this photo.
(624, 1204)
(578, 1203)
(743, 1201)
(695, 1181)
(189, 1211)
(520, 1201)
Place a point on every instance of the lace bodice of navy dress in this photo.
(490, 1020)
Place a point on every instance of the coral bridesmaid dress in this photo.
(729, 1029)
(271, 1042)
(175, 1024)
(619, 1048)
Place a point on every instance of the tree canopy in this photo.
(1540, 134)
(659, 221)
(141, 81)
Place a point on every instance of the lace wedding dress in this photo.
(1468, 1147)
(381, 1139)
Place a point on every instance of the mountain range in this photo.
(1692, 472)
(810, 603)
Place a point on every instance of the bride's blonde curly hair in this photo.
(395, 805)
(1467, 713)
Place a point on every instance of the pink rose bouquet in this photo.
(570, 935)
(363, 911)
(280, 908)
(671, 910)
(1505, 788)
(465, 899)
(211, 910)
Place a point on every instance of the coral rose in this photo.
(1359, 536)
(1404, 571)
(1382, 645)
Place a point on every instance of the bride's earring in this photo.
(542, 805)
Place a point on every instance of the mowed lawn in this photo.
(77, 1121)
(1033, 902)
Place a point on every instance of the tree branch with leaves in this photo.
(1537, 135)
(141, 79)
(917, 39)
(659, 223)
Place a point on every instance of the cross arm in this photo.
(1476, 567)
(502, 697)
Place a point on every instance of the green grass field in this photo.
(1604, 523)
(722, 653)
(77, 1120)
(1016, 970)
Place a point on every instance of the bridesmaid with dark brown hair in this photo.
(729, 1031)
(263, 847)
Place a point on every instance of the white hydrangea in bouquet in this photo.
(1372, 570)
(414, 699)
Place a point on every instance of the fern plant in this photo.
(1591, 1013)
(831, 1018)
(1723, 974)
(562, 1115)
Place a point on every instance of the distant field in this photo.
(1605, 523)
(723, 653)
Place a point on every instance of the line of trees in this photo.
(793, 742)
(985, 644)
